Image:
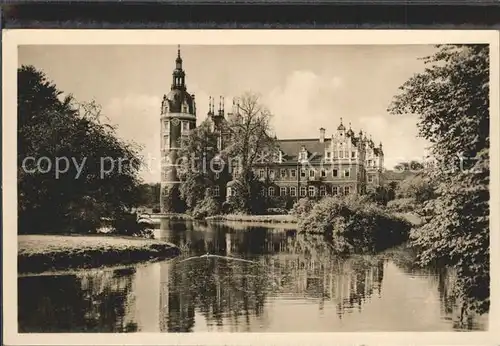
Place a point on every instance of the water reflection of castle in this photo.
(224, 290)
(171, 296)
(212, 293)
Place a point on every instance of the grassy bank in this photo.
(254, 218)
(39, 253)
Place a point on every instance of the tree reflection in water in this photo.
(95, 301)
(214, 293)
(287, 266)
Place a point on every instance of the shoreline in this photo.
(43, 253)
(269, 219)
(284, 218)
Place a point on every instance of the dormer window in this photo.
(303, 154)
(278, 156)
(164, 105)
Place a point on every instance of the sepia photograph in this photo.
(192, 185)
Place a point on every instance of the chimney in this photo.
(321, 135)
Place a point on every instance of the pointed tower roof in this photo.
(178, 96)
(350, 132)
(178, 61)
(341, 126)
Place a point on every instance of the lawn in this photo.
(39, 253)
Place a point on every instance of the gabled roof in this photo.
(292, 147)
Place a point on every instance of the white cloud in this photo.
(308, 101)
(302, 105)
(398, 135)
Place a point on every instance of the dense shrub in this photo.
(382, 194)
(302, 207)
(172, 201)
(276, 211)
(208, 206)
(126, 224)
(280, 202)
(247, 197)
(354, 224)
(418, 187)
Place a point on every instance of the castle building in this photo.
(343, 163)
(178, 117)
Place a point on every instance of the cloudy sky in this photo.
(305, 87)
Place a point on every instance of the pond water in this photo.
(275, 281)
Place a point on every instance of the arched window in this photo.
(312, 191)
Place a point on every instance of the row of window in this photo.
(370, 178)
(292, 173)
(184, 126)
(341, 154)
(164, 109)
(310, 191)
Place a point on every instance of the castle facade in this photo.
(344, 162)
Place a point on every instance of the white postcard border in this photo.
(13, 38)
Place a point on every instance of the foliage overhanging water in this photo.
(288, 283)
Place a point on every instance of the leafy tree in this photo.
(451, 99)
(208, 206)
(247, 195)
(409, 166)
(200, 155)
(99, 177)
(172, 199)
(419, 187)
(149, 195)
(382, 194)
(250, 142)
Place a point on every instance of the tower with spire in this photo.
(344, 163)
(177, 118)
